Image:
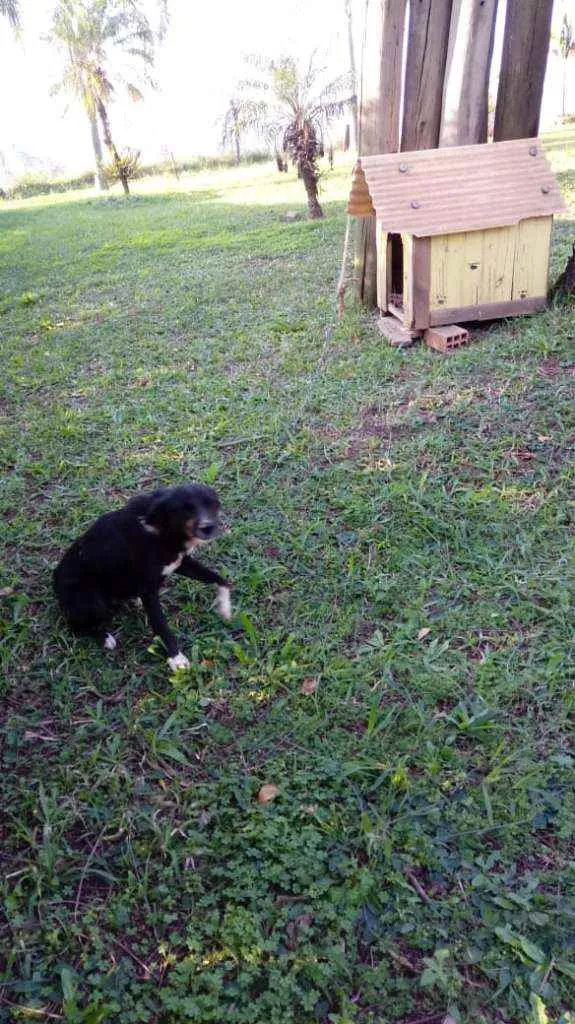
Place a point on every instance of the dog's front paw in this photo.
(223, 603)
(179, 661)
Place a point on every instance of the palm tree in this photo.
(92, 35)
(292, 110)
(566, 48)
(233, 127)
(10, 9)
(241, 115)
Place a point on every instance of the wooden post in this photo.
(427, 45)
(466, 92)
(379, 117)
(353, 75)
(523, 64)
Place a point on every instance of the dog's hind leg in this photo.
(89, 614)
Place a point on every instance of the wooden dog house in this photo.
(463, 232)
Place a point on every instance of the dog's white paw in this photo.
(223, 603)
(178, 661)
(110, 642)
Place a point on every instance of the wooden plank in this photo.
(531, 258)
(365, 261)
(498, 262)
(465, 98)
(382, 247)
(407, 241)
(523, 65)
(390, 79)
(381, 76)
(428, 39)
(378, 116)
(447, 255)
(487, 311)
(421, 281)
(471, 268)
(395, 333)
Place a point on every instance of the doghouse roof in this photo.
(457, 188)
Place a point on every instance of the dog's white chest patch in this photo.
(169, 569)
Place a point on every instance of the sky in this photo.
(197, 67)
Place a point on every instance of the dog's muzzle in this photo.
(202, 532)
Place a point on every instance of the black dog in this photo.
(130, 554)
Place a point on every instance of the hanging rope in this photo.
(342, 283)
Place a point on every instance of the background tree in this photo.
(566, 48)
(242, 115)
(105, 43)
(232, 128)
(291, 110)
(523, 63)
(11, 9)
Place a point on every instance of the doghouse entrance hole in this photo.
(396, 296)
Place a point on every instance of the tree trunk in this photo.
(237, 133)
(109, 143)
(100, 175)
(308, 172)
(378, 118)
(353, 73)
(466, 93)
(523, 65)
(427, 46)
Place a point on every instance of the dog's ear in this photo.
(158, 513)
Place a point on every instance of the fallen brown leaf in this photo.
(271, 552)
(309, 685)
(423, 632)
(268, 793)
(6, 591)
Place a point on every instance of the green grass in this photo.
(400, 531)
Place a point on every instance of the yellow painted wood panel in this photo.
(407, 279)
(447, 255)
(498, 262)
(381, 239)
(532, 258)
(472, 268)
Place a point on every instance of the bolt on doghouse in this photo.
(463, 233)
